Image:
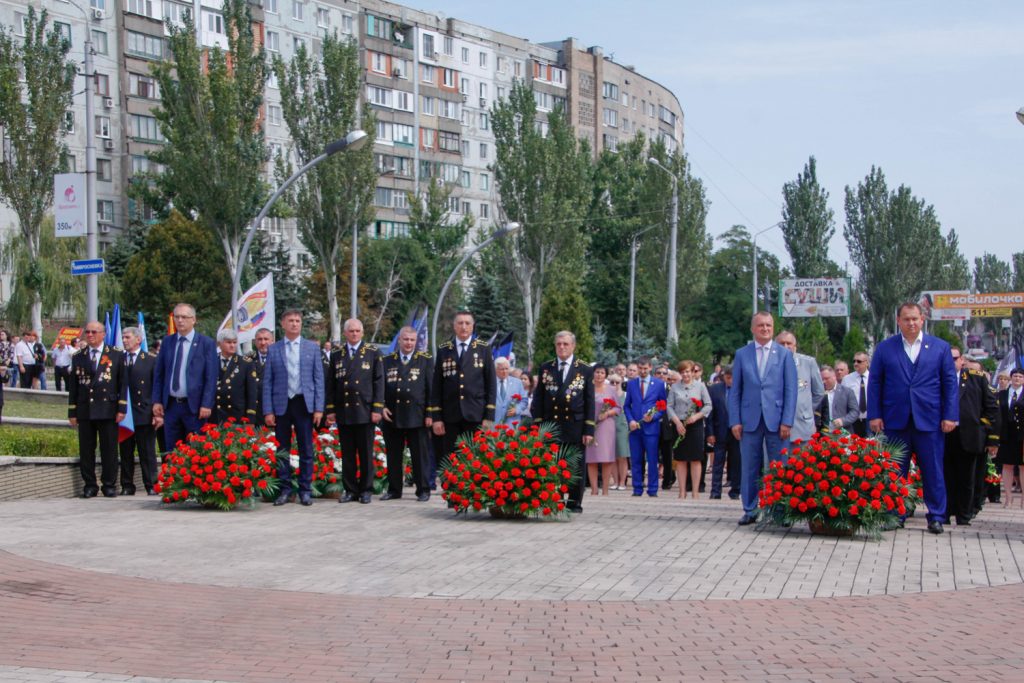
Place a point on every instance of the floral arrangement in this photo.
(221, 466)
(510, 472)
(840, 483)
(695, 405)
(658, 407)
(992, 476)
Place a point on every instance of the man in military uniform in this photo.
(96, 403)
(463, 390)
(407, 377)
(236, 382)
(261, 343)
(976, 432)
(565, 396)
(355, 399)
(139, 383)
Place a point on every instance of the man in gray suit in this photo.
(508, 408)
(809, 392)
(839, 407)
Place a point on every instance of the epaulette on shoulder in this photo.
(479, 343)
(977, 373)
(447, 345)
(421, 354)
(372, 347)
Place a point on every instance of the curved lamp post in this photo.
(1020, 114)
(632, 287)
(770, 227)
(672, 333)
(353, 141)
(498, 234)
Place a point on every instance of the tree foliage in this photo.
(992, 274)
(808, 223)
(36, 84)
(564, 308)
(440, 235)
(45, 278)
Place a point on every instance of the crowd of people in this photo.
(641, 426)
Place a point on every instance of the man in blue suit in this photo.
(762, 406)
(642, 396)
(293, 396)
(507, 409)
(184, 379)
(914, 398)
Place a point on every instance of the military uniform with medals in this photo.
(977, 430)
(96, 395)
(236, 389)
(406, 396)
(355, 391)
(258, 365)
(139, 381)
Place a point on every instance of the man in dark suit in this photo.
(261, 344)
(914, 399)
(462, 395)
(565, 396)
(727, 448)
(668, 437)
(293, 396)
(96, 403)
(139, 384)
(976, 433)
(355, 399)
(839, 409)
(184, 379)
(762, 406)
(407, 377)
(236, 381)
(642, 396)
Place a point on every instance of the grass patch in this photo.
(14, 407)
(33, 442)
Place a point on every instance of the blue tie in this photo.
(176, 371)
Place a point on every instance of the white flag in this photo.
(255, 310)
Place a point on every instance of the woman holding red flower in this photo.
(689, 404)
(601, 452)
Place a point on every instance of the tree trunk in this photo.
(332, 300)
(37, 313)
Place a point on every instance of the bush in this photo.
(33, 442)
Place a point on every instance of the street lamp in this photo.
(351, 142)
(673, 334)
(632, 287)
(770, 227)
(498, 234)
(1020, 114)
(353, 296)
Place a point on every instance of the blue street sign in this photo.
(88, 266)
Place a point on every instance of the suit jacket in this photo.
(719, 411)
(844, 407)
(139, 382)
(236, 389)
(979, 413)
(407, 389)
(513, 386)
(569, 403)
(275, 378)
(355, 384)
(636, 406)
(772, 398)
(258, 368)
(97, 393)
(1011, 426)
(926, 390)
(201, 372)
(810, 390)
(464, 388)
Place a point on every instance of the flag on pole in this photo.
(171, 327)
(255, 310)
(417, 320)
(504, 349)
(143, 345)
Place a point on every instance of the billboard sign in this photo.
(814, 297)
(933, 311)
(69, 208)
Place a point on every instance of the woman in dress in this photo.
(688, 405)
(621, 433)
(1011, 434)
(601, 452)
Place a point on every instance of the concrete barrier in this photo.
(46, 478)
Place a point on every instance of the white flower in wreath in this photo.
(329, 451)
(337, 464)
(326, 438)
(381, 457)
(294, 461)
(269, 447)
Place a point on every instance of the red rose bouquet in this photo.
(509, 471)
(659, 407)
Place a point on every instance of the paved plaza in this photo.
(644, 589)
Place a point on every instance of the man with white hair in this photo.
(139, 384)
(236, 381)
(508, 408)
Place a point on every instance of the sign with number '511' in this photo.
(69, 207)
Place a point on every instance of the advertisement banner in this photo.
(68, 334)
(255, 310)
(69, 209)
(814, 297)
(968, 300)
(932, 311)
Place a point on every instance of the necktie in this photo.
(643, 387)
(131, 359)
(352, 352)
(176, 370)
(263, 359)
(405, 360)
(503, 390)
(862, 401)
(826, 419)
(95, 358)
(561, 369)
(1016, 395)
(762, 354)
(462, 348)
(223, 364)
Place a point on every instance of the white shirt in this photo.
(23, 353)
(564, 369)
(912, 348)
(62, 357)
(462, 345)
(762, 353)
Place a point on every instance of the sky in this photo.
(925, 90)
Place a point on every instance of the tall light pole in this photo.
(353, 296)
(1020, 114)
(759, 232)
(632, 287)
(498, 234)
(349, 143)
(673, 333)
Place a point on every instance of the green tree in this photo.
(488, 300)
(130, 242)
(179, 264)
(853, 343)
(808, 223)
(289, 287)
(36, 84)
(992, 274)
(209, 114)
(812, 339)
(692, 346)
(564, 308)
(544, 185)
(440, 235)
(319, 98)
(41, 284)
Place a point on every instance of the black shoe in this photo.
(576, 509)
(283, 498)
(963, 521)
(423, 497)
(714, 497)
(306, 499)
(150, 491)
(125, 491)
(347, 497)
(109, 492)
(637, 495)
(365, 498)
(387, 495)
(935, 527)
(652, 495)
(90, 492)
(747, 518)
(734, 496)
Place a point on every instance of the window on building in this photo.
(346, 22)
(143, 7)
(428, 139)
(382, 197)
(611, 118)
(102, 126)
(465, 148)
(298, 44)
(485, 210)
(297, 9)
(378, 96)
(466, 179)
(403, 100)
(143, 86)
(64, 30)
(448, 141)
(400, 68)
(462, 208)
(174, 12)
(273, 42)
(70, 163)
(143, 45)
(517, 68)
(379, 27)
(465, 55)
(270, 6)
(274, 115)
(500, 92)
(610, 91)
(464, 86)
(403, 134)
(483, 150)
(449, 45)
(379, 63)
(69, 121)
(427, 105)
(104, 170)
(485, 181)
(323, 17)
(144, 127)
(272, 78)
(99, 41)
(483, 60)
(428, 74)
(483, 91)
(98, 4)
(214, 23)
(611, 143)
(485, 121)
(448, 109)
(428, 46)
(105, 210)
(101, 84)
(502, 65)
(449, 77)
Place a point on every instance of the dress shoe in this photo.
(387, 495)
(576, 509)
(90, 492)
(347, 497)
(963, 521)
(652, 495)
(283, 498)
(150, 491)
(365, 498)
(713, 497)
(734, 497)
(109, 492)
(306, 498)
(747, 518)
(935, 527)
(423, 497)
(126, 491)
(637, 495)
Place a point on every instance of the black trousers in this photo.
(356, 444)
(60, 377)
(444, 445)
(980, 487)
(960, 468)
(668, 472)
(395, 441)
(25, 378)
(727, 456)
(90, 434)
(144, 440)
